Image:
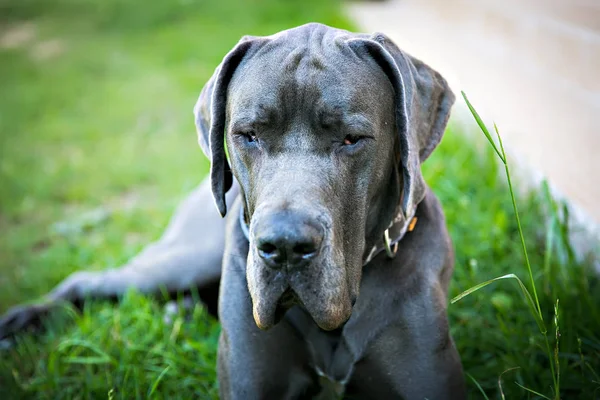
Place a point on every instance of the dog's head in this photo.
(326, 131)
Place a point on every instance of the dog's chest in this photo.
(330, 356)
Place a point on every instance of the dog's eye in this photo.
(250, 136)
(349, 140)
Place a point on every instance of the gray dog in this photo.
(334, 260)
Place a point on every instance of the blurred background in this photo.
(98, 146)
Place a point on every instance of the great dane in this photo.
(334, 260)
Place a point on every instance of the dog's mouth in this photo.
(320, 289)
(288, 299)
(323, 317)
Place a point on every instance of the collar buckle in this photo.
(389, 249)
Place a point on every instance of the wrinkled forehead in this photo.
(303, 75)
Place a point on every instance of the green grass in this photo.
(97, 146)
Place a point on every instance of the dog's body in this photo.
(326, 131)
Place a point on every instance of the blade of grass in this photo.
(157, 381)
(482, 126)
(500, 381)
(478, 386)
(542, 325)
(521, 236)
(528, 298)
(88, 360)
(101, 356)
(532, 391)
(566, 233)
(550, 238)
(556, 344)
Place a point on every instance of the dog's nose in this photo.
(287, 239)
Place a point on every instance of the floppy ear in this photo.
(209, 113)
(423, 102)
(434, 102)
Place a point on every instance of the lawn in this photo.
(97, 146)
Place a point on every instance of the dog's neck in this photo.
(396, 230)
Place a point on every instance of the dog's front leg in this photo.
(188, 255)
(414, 358)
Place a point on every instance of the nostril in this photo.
(271, 253)
(304, 249)
(267, 248)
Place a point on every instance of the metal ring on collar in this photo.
(387, 243)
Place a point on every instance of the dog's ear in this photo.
(423, 102)
(209, 113)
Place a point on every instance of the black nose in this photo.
(287, 238)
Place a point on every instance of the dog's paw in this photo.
(21, 317)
